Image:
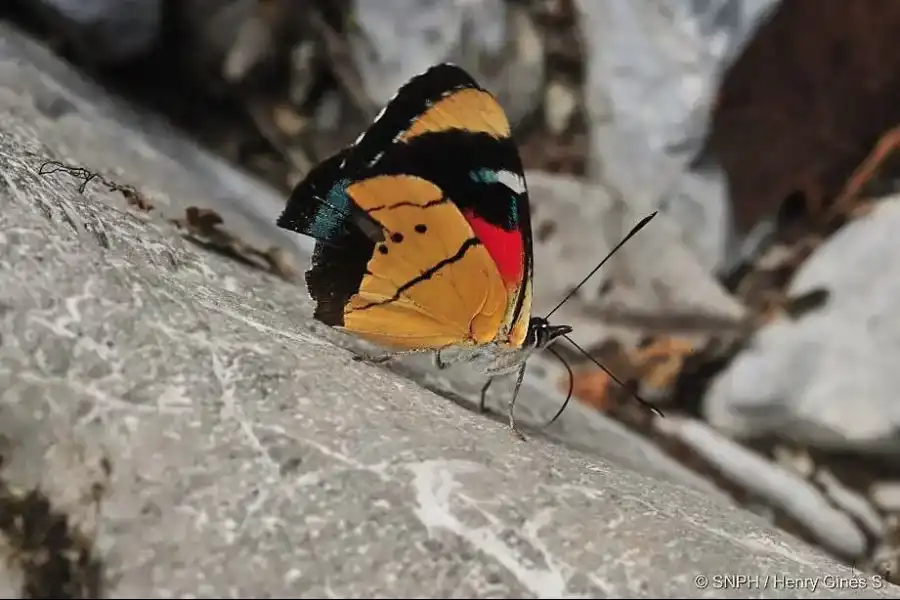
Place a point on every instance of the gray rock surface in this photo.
(237, 451)
(828, 379)
(75, 118)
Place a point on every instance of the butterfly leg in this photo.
(439, 362)
(512, 404)
(482, 405)
(379, 359)
(445, 363)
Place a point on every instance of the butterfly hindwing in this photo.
(493, 199)
(439, 158)
(431, 283)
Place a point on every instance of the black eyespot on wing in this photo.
(421, 228)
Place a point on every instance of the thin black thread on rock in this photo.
(134, 197)
(53, 166)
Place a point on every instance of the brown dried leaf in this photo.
(591, 387)
(660, 362)
(202, 226)
(203, 219)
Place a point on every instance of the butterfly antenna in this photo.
(512, 404)
(571, 386)
(630, 235)
(646, 404)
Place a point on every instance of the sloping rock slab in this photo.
(85, 125)
(201, 440)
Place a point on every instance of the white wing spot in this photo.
(383, 110)
(376, 158)
(513, 181)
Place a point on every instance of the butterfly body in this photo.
(423, 232)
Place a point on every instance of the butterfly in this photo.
(423, 232)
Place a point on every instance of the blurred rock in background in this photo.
(756, 310)
(105, 32)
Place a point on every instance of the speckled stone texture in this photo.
(203, 439)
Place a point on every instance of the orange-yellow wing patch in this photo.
(431, 283)
(468, 109)
(519, 328)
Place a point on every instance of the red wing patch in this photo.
(505, 247)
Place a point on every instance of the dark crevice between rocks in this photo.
(54, 558)
(179, 79)
(774, 136)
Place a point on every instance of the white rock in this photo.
(886, 495)
(852, 502)
(829, 379)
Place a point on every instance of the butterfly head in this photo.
(541, 333)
